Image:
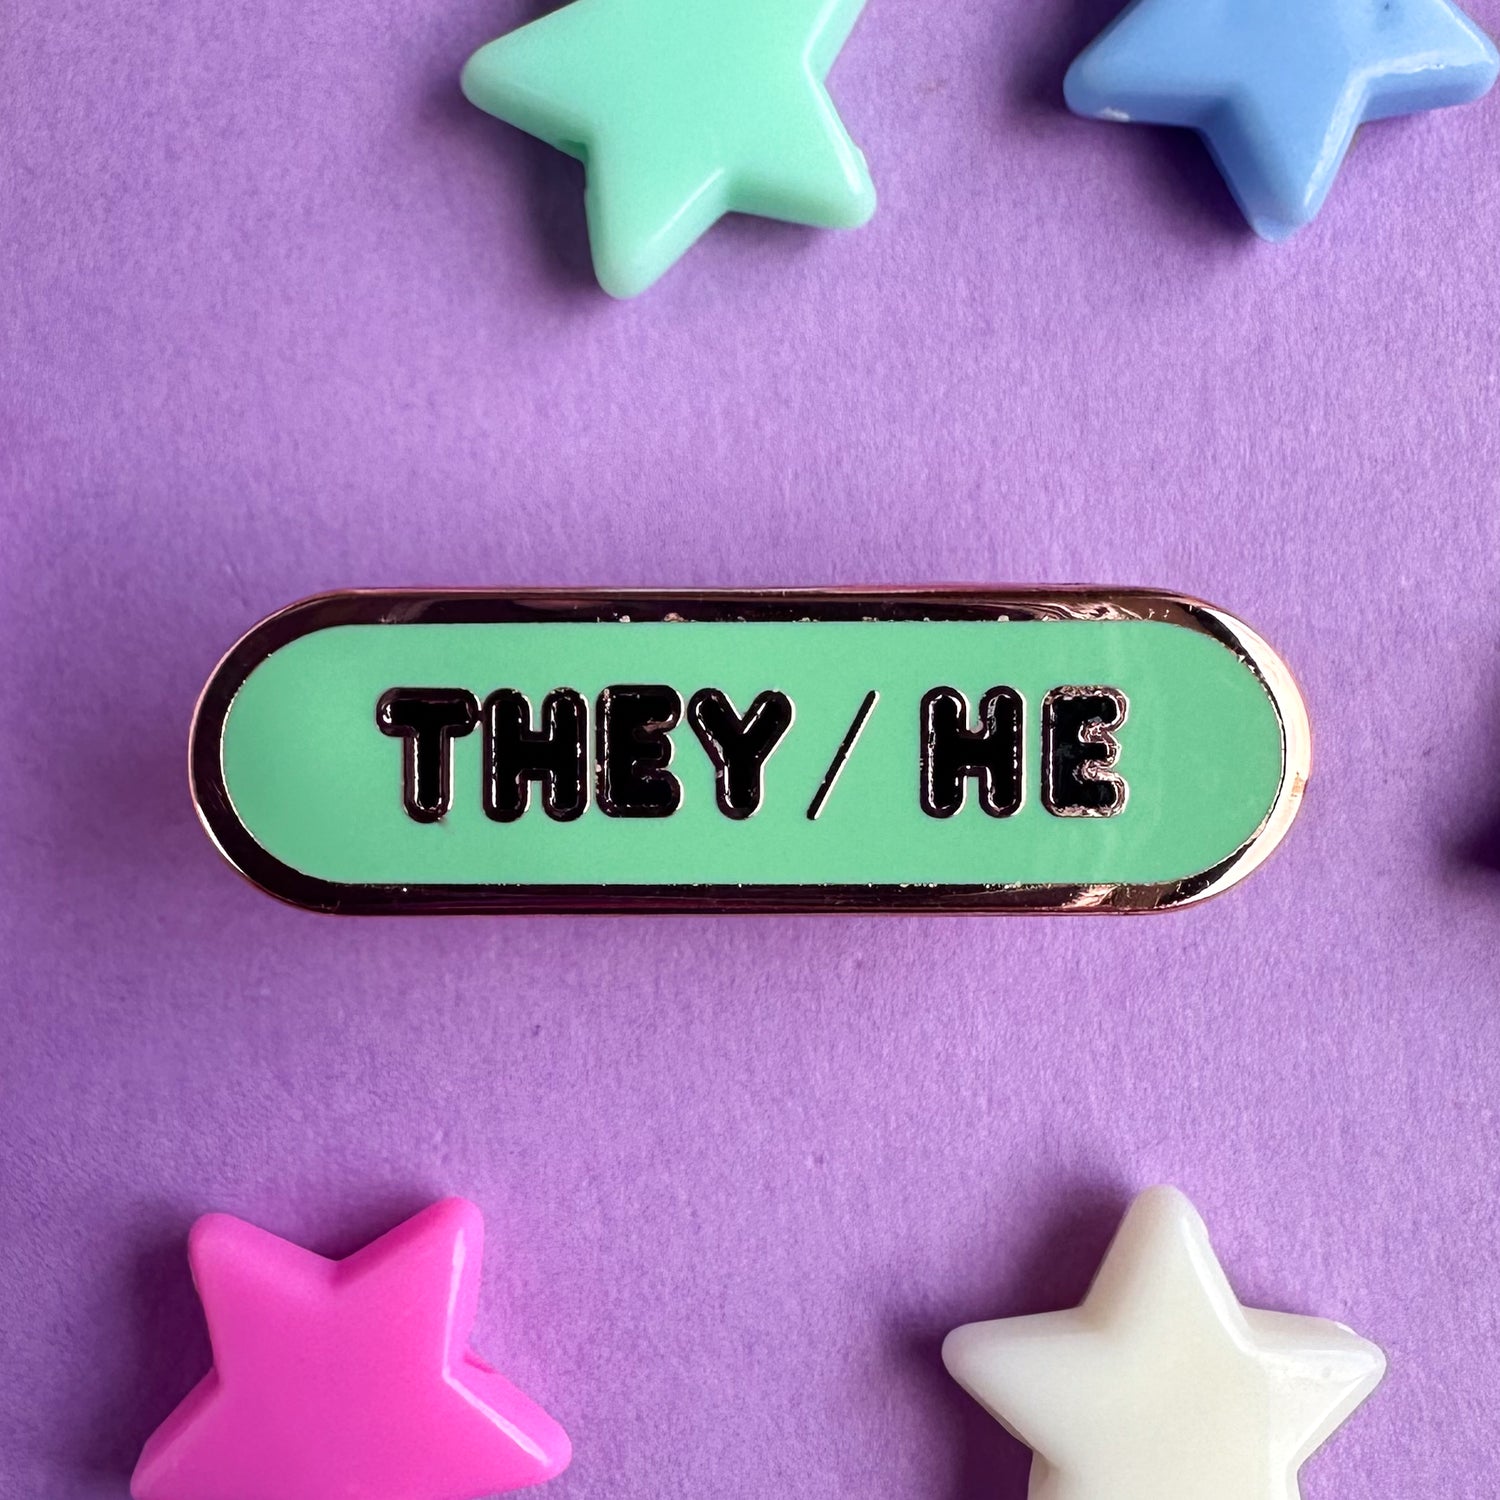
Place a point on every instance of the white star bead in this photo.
(1160, 1386)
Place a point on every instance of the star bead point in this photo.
(1277, 89)
(1160, 1385)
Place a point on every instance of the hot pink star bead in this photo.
(348, 1378)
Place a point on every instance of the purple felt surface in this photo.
(279, 312)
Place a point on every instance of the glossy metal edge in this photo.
(962, 602)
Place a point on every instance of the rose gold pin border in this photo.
(520, 606)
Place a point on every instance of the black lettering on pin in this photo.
(427, 721)
(738, 747)
(515, 755)
(952, 752)
(633, 745)
(1079, 751)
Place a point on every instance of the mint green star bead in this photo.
(683, 111)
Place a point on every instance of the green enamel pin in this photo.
(960, 750)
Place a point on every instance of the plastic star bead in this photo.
(1277, 88)
(1160, 1386)
(683, 111)
(348, 1378)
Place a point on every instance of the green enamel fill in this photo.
(318, 786)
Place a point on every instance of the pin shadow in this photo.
(1035, 85)
(553, 181)
(160, 1349)
(1478, 850)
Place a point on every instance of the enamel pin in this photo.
(960, 750)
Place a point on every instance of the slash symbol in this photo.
(842, 754)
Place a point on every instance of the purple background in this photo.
(282, 313)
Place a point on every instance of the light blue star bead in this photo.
(1277, 88)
